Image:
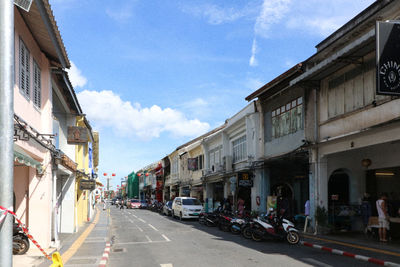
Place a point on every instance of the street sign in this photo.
(335, 197)
(244, 180)
(387, 58)
(87, 185)
(77, 135)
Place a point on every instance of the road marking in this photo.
(140, 242)
(167, 265)
(140, 229)
(148, 238)
(166, 238)
(78, 243)
(316, 262)
(142, 220)
(134, 215)
(355, 246)
(155, 229)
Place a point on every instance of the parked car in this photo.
(186, 207)
(135, 203)
(143, 204)
(167, 209)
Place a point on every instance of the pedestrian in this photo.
(122, 205)
(383, 217)
(366, 210)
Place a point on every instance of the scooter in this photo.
(20, 240)
(267, 227)
(210, 218)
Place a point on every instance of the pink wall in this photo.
(37, 212)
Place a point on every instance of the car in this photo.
(167, 209)
(135, 203)
(143, 204)
(186, 207)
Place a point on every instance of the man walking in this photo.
(383, 217)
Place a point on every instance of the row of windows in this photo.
(25, 76)
(239, 149)
(286, 108)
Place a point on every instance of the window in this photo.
(239, 149)
(200, 162)
(37, 85)
(288, 118)
(24, 70)
(174, 168)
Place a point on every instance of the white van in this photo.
(186, 207)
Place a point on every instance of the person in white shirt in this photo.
(383, 217)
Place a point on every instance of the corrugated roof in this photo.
(48, 37)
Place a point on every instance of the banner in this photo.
(388, 58)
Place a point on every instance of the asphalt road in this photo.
(144, 238)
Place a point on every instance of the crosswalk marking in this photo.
(142, 220)
(155, 229)
(166, 238)
(166, 265)
(148, 238)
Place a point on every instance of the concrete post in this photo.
(6, 126)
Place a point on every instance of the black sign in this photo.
(87, 185)
(245, 180)
(388, 58)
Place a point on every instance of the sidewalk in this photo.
(89, 252)
(358, 243)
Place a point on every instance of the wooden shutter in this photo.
(24, 76)
(37, 88)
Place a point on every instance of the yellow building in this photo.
(84, 203)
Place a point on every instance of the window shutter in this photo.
(36, 85)
(24, 69)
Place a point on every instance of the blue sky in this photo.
(154, 74)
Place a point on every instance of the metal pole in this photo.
(6, 126)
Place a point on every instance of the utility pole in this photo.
(6, 126)
(108, 183)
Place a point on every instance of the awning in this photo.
(22, 157)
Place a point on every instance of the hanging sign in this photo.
(244, 179)
(388, 58)
(77, 135)
(87, 184)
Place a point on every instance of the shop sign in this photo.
(87, 184)
(77, 135)
(335, 197)
(68, 163)
(387, 58)
(245, 180)
(192, 164)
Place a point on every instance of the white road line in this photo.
(140, 242)
(166, 238)
(134, 215)
(140, 229)
(148, 238)
(142, 220)
(130, 220)
(167, 265)
(155, 229)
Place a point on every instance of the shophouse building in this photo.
(356, 145)
(286, 121)
(38, 50)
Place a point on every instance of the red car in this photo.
(135, 203)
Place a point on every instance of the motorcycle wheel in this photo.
(202, 220)
(247, 232)
(293, 237)
(226, 228)
(234, 231)
(256, 237)
(20, 245)
(209, 224)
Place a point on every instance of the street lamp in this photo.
(108, 183)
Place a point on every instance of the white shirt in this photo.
(381, 213)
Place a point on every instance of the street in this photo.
(145, 238)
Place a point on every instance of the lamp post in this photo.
(108, 183)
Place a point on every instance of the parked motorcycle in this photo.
(267, 227)
(210, 218)
(225, 221)
(20, 240)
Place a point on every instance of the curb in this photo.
(351, 255)
(104, 259)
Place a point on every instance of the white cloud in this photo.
(272, 11)
(253, 61)
(76, 77)
(218, 15)
(121, 13)
(105, 109)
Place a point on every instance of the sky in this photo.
(151, 75)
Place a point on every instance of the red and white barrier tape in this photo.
(6, 211)
(351, 255)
